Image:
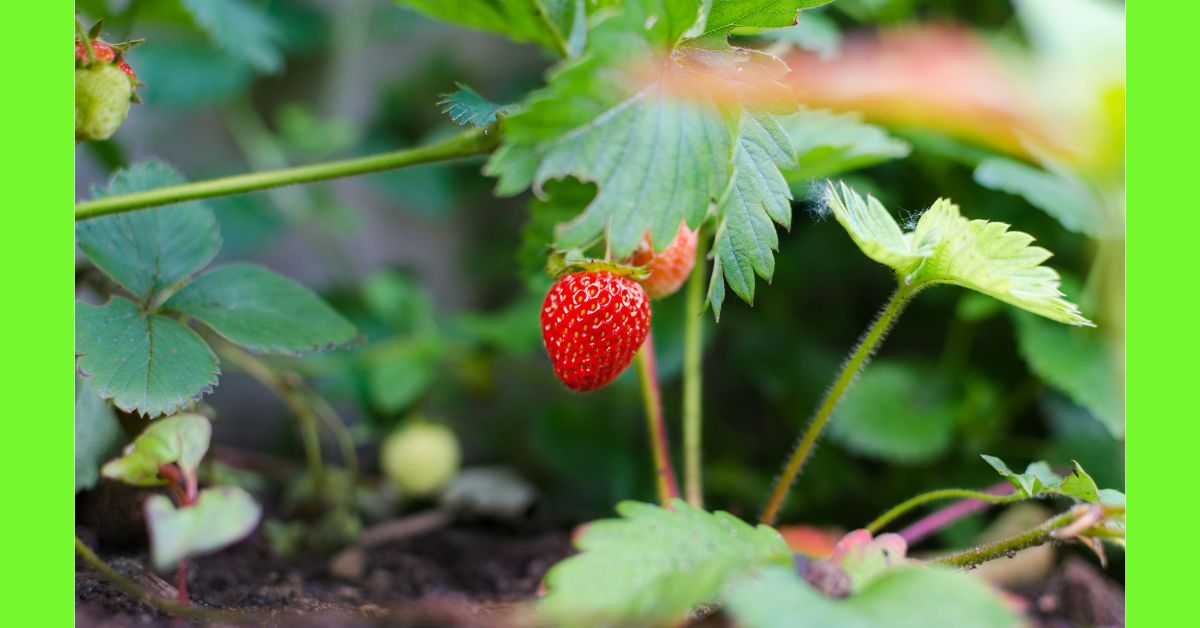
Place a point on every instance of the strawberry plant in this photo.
(662, 151)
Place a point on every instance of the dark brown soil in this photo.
(458, 576)
(464, 575)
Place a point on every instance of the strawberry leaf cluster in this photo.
(137, 348)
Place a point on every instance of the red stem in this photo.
(185, 489)
(940, 519)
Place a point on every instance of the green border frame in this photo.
(38, 261)
(38, 258)
(1163, 227)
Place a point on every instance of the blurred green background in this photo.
(437, 273)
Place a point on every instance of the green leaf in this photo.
(149, 250)
(146, 363)
(1038, 480)
(1067, 199)
(904, 597)
(244, 31)
(556, 24)
(831, 143)
(98, 434)
(181, 440)
(727, 15)
(560, 201)
(815, 32)
(653, 565)
(403, 374)
(219, 518)
(745, 239)
(263, 311)
(467, 107)
(657, 157)
(898, 412)
(1076, 362)
(947, 248)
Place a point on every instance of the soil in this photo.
(462, 575)
(458, 576)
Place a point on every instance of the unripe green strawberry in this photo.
(104, 89)
(420, 458)
(668, 268)
(102, 98)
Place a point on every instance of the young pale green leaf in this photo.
(261, 310)
(903, 597)
(1039, 481)
(98, 434)
(726, 15)
(873, 229)
(181, 440)
(149, 250)
(145, 363)
(653, 565)
(466, 106)
(1065, 198)
(1076, 362)
(947, 248)
(244, 31)
(219, 518)
(757, 196)
(831, 143)
(897, 412)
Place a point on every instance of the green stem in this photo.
(693, 323)
(931, 496)
(660, 448)
(87, 42)
(168, 606)
(333, 422)
(473, 142)
(866, 347)
(1037, 536)
(291, 397)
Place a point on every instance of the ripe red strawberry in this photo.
(593, 323)
(670, 268)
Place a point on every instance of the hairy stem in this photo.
(1032, 538)
(866, 347)
(939, 519)
(333, 422)
(693, 322)
(166, 605)
(291, 397)
(932, 496)
(660, 448)
(473, 142)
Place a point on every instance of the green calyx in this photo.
(570, 261)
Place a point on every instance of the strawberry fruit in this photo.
(104, 89)
(593, 324)
(669, 268)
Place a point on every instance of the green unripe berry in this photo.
(102, 97)
(420, 458)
